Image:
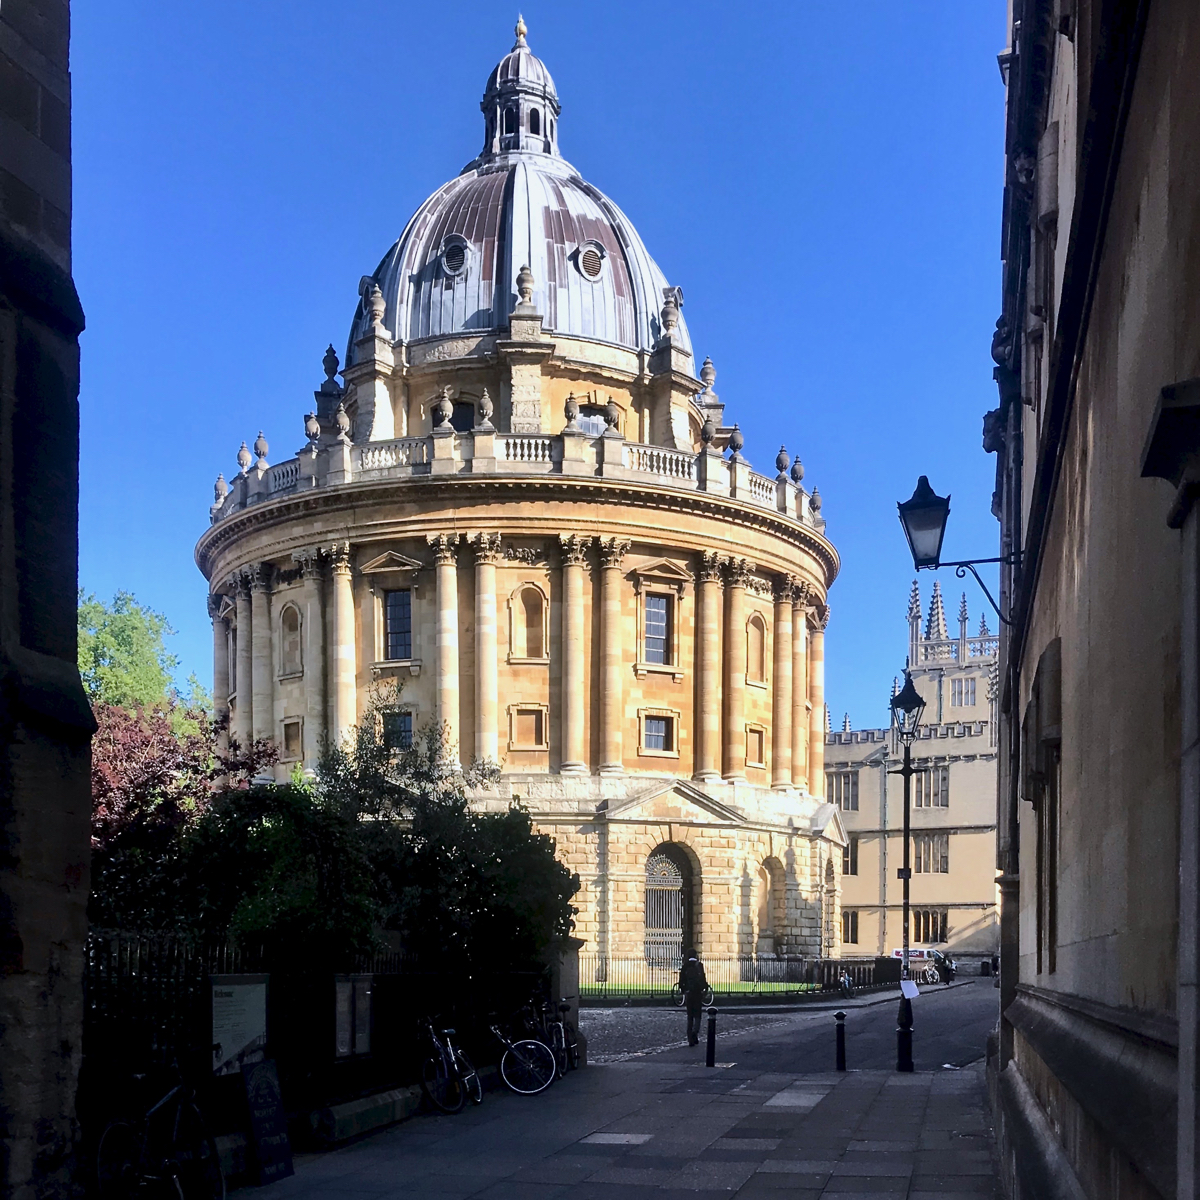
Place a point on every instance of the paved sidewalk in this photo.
(669, 1130)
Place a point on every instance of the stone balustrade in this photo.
(336, 463)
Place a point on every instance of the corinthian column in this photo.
(487, 554)
(781, 699)
(574, 708)
(735, 669)
(315, 702)
(447, 637)
(220, 659)
(708, 661)
(243, 715)
(343, 659)
(263, 673)
(816, 696)
(612, 692)
(800, 686)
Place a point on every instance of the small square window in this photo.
(397, 730)
(659, 733)
(658, 629)
(291, 739)
(755, 747)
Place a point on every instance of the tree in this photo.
(123, 657)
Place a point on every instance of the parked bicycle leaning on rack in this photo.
(564, 1042)
(527, 1065)
(447, 1076)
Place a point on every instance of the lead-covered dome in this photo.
(454, 268)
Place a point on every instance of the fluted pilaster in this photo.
(738, 570)
(781, 698)
(243, 713)
(708, 663)
(315, 699)
(263, 669)
(612, 689)
(575, 757)
(343, 658)
(446, 567)
(221, 663)
(800, 719)
(487, 554)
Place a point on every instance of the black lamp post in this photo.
(907, 708)
(923, 516)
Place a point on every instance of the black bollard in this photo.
(904, 1028)
(840, 1018)
(710, 1052)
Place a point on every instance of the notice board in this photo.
(268, 1121)
(239, 1021)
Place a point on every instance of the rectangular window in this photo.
(929, 925)
(931, 853)
(529, 728)
(849, 927)
(658, 629)
(397, 730)
(755, 747)
(850, 857)
(842, 789)
(291, 739)
(931, 788)
(660, 733)
(397, 624)
(962, 693)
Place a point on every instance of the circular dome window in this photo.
(590, 262)
(454, 257)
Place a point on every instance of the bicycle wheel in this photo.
(528, 1067)
(441, 1085)
(677, 997)
(558, 1045)
(118, 1173)
(468, 1077)
(194, 1153)
(572, 1047)
(708, 997)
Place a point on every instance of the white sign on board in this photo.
(239, 1021)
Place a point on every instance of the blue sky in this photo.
(823, 181)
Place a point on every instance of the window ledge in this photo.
(756, 683)
(394, 666)
(642, 669)
(527, 749)
(290, 675)
(758, 766)
(645, 753)
(517, 661)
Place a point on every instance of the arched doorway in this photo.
(668, 906)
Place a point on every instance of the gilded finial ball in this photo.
(797, 470)
(782, 460)
(736, 440)
(342, 420)
(521, 29)
(244, 458)
(708, 430)
(312, 427)
(260, 446)
(330, 363)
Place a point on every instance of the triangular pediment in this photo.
(663, 570)
(827, 823)
(676, 801)
(391, 561)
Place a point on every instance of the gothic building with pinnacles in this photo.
(525, 504)
(953, 797)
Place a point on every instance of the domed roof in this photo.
(519, 203)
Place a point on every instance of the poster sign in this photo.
(909, 989)
(239, 1021)
(268, 1121)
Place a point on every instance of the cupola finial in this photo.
(521, 30)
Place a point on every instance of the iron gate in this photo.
(665, 910)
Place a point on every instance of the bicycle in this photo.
(167, 1151)
(679, 999)
(447, 1076)
(527, 1066)
(564, 1043)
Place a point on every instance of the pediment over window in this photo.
(677, 801)
(663, 572)
(826, 822)
(392, 562)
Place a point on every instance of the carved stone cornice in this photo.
(738, 572)
(444, 546)
(711, 565)
(574, 549)
(487, 547)
(338, 557)
(613, 551)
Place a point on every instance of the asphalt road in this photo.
(950, 1029)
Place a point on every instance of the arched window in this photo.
(591, 420)
(756, 649)
(668, 906)
(531, 624)
(510, 120)
(463, 417)
(289, 627)
(535, 121)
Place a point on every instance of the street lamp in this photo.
(924, 515)
(907, 709)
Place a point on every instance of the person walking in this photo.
(692, 983)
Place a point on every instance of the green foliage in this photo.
(123, 657)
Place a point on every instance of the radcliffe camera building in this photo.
(953, 801)
(526, 504)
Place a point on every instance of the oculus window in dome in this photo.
(453, 270)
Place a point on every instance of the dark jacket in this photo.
(692, 980)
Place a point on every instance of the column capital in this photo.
(310, 561)
(710, 567)
(259, 576)
(612, 551)
(785, 589)
(487, 547)
(574, 549)
(338, 556)
(215, 601)
(801, 592)
(444, 547)
(818, 617)
(739, 571)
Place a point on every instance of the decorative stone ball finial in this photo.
(525, 285)
(612, 414)
(486, 408)
(220, 490)
(708, 374)
(670, 310)
(708, 430)
(815, 501)
(444, 409)
(331, 364)
(341, 419)
(244, 459)
(261, 448)
(375, 305)
(312, 427)
(797, 470)
(736, 441)
(571, 411)
(782, 460)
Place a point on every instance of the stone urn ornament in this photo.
(220, 491)
(814, 502)
(330, 363)
(486, 408)
(244, 459)
(261, 448)
(312, 427)
(341, 419)
(736, 441)
(797, 470)
(444, 409)
(571, 411)
(708, 430)
(525, 285)
(612, 414)
(782, 461)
